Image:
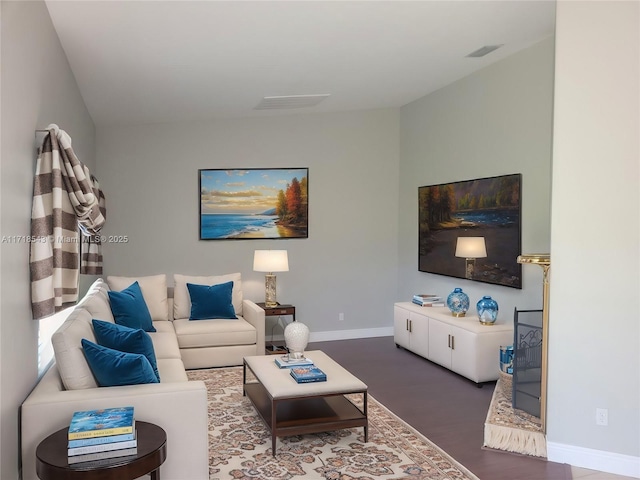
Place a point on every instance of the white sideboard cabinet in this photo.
(411, 331)
(463, 345)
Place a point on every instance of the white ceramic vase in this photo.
(296, 337)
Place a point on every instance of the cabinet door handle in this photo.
(453, 342)
(410, 325)
(407, 325)
(449, 341)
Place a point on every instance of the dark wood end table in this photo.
(278, 310)
(52, 464)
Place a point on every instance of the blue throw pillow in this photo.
(125, 339)
(129, 308)
(211, 301)
(113, 368)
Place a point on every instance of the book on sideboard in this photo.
(428, 304)
(308, 374)
(101, 447)
(84, 442)
(101, 423)
(102, 458)
(427, 297)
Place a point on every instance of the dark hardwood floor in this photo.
(446, 408)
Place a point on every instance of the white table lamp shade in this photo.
(270, 261)
(471, 247)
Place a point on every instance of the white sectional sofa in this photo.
(177, 405)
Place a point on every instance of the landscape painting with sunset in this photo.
(254, 203)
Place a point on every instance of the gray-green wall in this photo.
(37, 88)
(348, 263)
(594, 324)
(496, 121)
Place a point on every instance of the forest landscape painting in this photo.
(485, 207)
(254, 203)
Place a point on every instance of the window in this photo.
(47, 327)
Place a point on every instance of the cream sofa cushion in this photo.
(172, 370)
(182, 299)
(72, 365)
(214, 333)
(163, 327)
(165, 345)
(96, 302)
(154, 291)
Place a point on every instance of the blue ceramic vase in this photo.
(458, 302)
(487, 310)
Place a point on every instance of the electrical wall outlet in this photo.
(602, 416)
(341, 317)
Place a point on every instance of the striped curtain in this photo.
(63, 198)
(91, 243)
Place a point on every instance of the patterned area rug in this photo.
(240, 444)
(510, 429)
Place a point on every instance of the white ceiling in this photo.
(160, 61)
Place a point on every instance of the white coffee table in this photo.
(291, 408)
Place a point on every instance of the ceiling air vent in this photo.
(290, 101)
(481, 52)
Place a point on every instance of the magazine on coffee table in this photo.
(283, 361)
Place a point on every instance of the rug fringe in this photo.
(512, 439)
(515, 440)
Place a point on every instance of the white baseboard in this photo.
(344, 334)
(609, 462)
(350, 334)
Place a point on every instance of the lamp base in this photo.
(270, 290)
(470, 268)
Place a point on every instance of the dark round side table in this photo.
(51, 458)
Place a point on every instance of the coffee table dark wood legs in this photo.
(365, 410)
(301, 415)
(274, 438)
(52, 460)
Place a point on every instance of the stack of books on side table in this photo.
(101, 437)
(427, 300)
